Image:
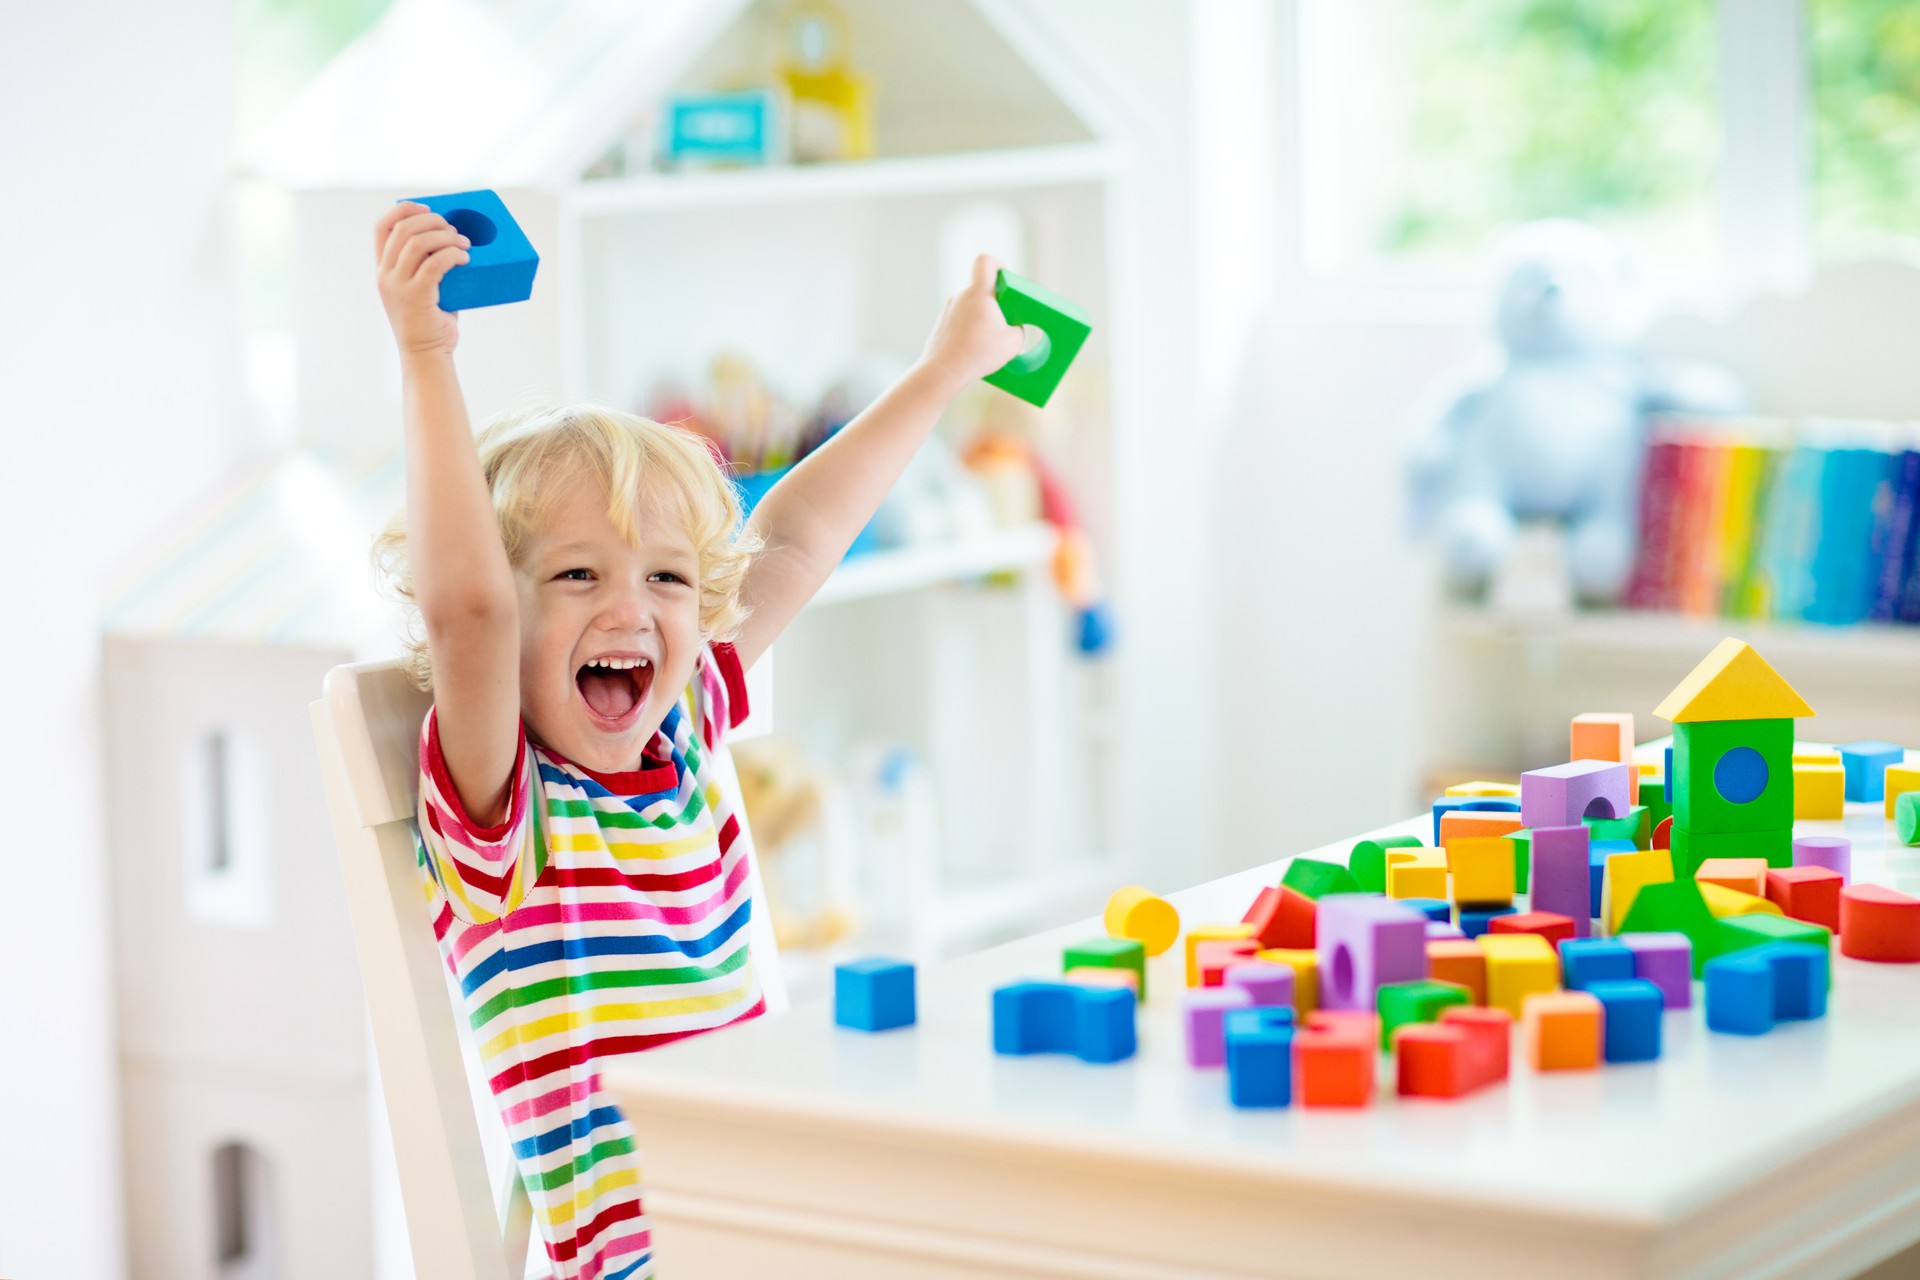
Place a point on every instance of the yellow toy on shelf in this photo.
(832, 104)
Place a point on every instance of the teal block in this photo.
(1033, 374)
(1702, 765)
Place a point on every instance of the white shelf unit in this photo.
(959, 652)
(1504, 685)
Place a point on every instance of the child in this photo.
(590, 605)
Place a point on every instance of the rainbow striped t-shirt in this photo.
(613, 921)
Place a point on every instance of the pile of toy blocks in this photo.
(1637, 883)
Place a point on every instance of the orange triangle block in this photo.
(1732, 683)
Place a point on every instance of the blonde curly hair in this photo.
(527, 458)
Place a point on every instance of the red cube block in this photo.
(1548, 924)
(1807, 893)
(1878, 923)
(1333, 1060)
(1272, 924)
(1434, 1061)
(1490, 1031)
(1212, 958)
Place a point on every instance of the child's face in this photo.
(608, 633)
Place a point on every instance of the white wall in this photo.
(115, 380)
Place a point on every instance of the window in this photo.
(242, 1222)
(1430, 126)
(1865, 57)
(224, 806)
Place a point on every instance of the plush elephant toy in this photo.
(1554, 429)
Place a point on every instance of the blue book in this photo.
(1786, 561)
(1849, 481)
(1893, 538)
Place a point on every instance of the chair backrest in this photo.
(367, 723)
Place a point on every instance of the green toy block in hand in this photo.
(1032, 375)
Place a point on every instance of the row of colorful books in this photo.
(1809, 520)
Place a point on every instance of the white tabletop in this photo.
(1796, 1153)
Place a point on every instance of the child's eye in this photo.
(575, 575)
(667, 575)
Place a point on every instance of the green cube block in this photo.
(1312, 878)
(1367, 863)
(1737, 933)
(1733, 775)
(1691, 848)
(1522, 841)
(1033, 374)
(1632, 825)
(1400, 1003)
(1675, 907)
(1109, 953)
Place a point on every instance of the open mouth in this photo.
(615, 689)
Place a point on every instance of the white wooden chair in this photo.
(367, 723)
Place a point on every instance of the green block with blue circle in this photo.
(500, 262)
(1733, 775)
(1035, 373)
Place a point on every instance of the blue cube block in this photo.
(1259, 1057)
(1094, 1024)
(1473, 923)
(1740, 994)
(1631, 1009)
(1589, 960)
(1800, 972)
(501, 261)
(1866, 764)
(874, 993)
(1470, 804)
(1433, 908)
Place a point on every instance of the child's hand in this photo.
(415, 248)
(972, 339)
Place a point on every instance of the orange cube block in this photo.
(1490, 1030)
(1459, 960)
(1200, 933)
(1807, 893)
(1562, 1030)
(1747, 875)
(1333, 1059)
(1475, 822)
(1603, 735)
(1212, 958)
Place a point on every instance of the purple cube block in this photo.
(1832, 852)
(1562, 794)
(1665, 960)
(1267, 984)
(1204, 1011)
(1364, 942)
(1562, 876)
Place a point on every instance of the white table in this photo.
(792, 1148)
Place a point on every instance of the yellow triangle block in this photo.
(1724, 902)
(1732, 683)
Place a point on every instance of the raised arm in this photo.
(462, 581)
(812, 516)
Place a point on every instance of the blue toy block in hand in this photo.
(501, 262)
(873, 994)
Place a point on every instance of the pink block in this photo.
(1562, 794)
(1267, 984)
(1561, 880)
(1365, 941)
(1833, 852)
(1204, 1011)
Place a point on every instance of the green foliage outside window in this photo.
(1558, 108)
(1866, 120)
(283, 43)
